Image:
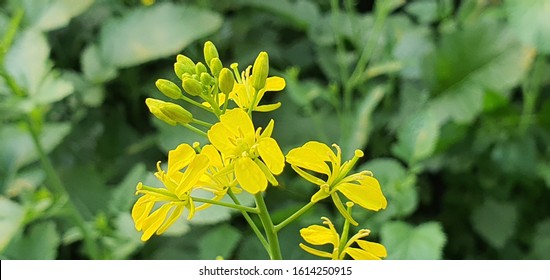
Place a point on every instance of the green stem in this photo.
(196, 130)
(531, 91)
(10, 33)
(250, 222)
(195, 103)
(228, 205)
(294, 216)
(57, 187)
(202, 123)
(345, 232)
(274, 248)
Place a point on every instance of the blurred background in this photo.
(449, 100)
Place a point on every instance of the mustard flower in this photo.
(234, 136)
(361, 188)
(251, 87)
(320, 235)
(174, 197)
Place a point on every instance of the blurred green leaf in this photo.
(46, 15)
(149, 33)
(122, 197)
(27, 60)
(424, 10)
(216, 214)
(94, 67)
(40, 243)
(301, 13)
(126, 239)
(411, 49)
(540, 248)
(407, 242)
(495, 222)
(543, 170)
(529, 20)
(219, 241)
(87, 189)
(396, 184)
(11, 220)
(470, 61)
(417, 138)
(53, 88)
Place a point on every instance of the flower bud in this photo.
(226, 81)
(210, 52)
(215, 66)
(154, 106)
(183, 65)
(176, 113)
(206, 79)
(168, 88)
(260, 71)
(192, 86)
(200, 68)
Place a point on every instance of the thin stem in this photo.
(275, 249)
(196, 130)
(195, 103)
(228, 205)
(57, 187)
(345, 231)
(10, 33)
(294, 216)
(250, 222)
(202, 123)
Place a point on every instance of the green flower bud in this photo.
(154, 106)
(260, 71)
(215, 66)
(192, 86)
(226, 81)
(200, 68)
(168, 88)
(176, 113)
(183, 65)
(206, 79)
(210, 52)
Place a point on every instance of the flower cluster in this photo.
(243, 157)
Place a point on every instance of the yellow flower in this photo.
(361, 188)
(319, 235)
(250, 89)
(234, 136)
(174, 197)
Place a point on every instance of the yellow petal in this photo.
(213, 155)
(249, 175)
(275, 84)
(340, 207)
(375, 248)
(315, 252)
(192, 175)
(239, 123)
(319, 235)
(180, 158)
(141, 210)
(268, 129)
(176, 213)
(222, 139)
(308, 176)
(368, 194)
(268, 107)
(154, 221)
(359, 254)
(312, 156)
(266, 172)
(271, 154)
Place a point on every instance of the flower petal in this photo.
(316, 252)
(271, 154)
(359, 254)
(275, 83)
(319, 235)
(213, 155)
(368, 194)
(376, 249)
(267, 107)
(176, 213)
(312, 156)
(249, 175)
(192, 175)
(222, 138)
(141, 210)
(180, 158)
(239, 123)
(154, 221)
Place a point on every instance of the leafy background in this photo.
(449, 100)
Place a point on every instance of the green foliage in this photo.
(448, 100)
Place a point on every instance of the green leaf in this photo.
(467, 63)
(219, 241)
(398, 186)
(27, 60)
(301, 13)
(425, 10)
(39, 244)
(149, 33)
(46, 15)
(543, 170)
(417, 138)
(11, 220)
(540, 248)
(94, 67)
(122, 197)
(126, 239)
(530, 22)
(53, 88)
(411, 49)
(495, 222)
(406, 242)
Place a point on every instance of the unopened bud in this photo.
(183, 65)
(200, 68)
(168, 88)
(154, 106)
(215, 66)
(260, 71)
(226, 81)
(176, 113)
(210, 52)
(206, 79)
(192, 86)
